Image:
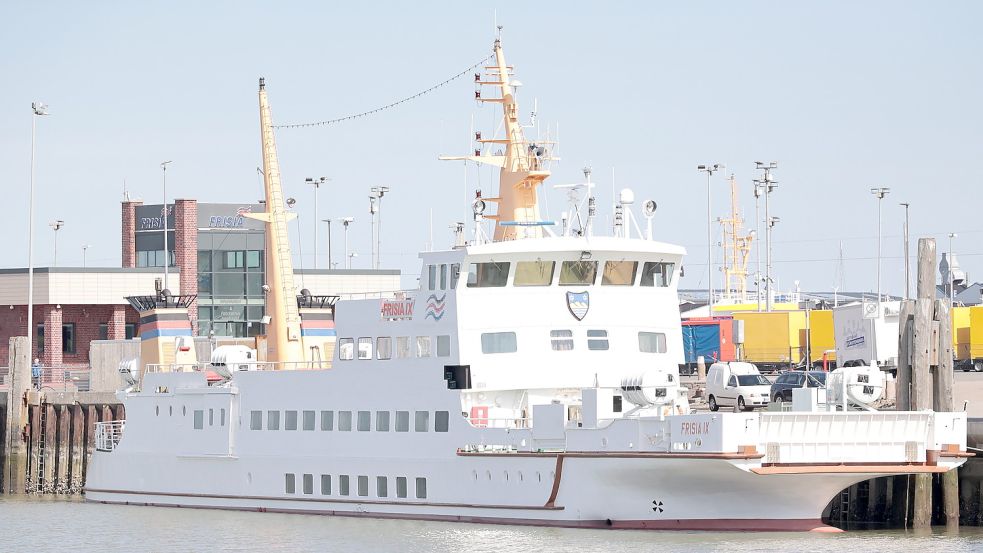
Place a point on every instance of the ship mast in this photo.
(737, 248)
(523, 163)
(283, 342)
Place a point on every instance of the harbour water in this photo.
(58, 524)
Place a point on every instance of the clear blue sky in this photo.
(844, 95)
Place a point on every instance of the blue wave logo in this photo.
(435, 307)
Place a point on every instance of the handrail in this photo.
(249, 365)
(108, 434)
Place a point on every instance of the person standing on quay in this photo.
(36, 373)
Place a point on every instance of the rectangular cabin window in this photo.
(534, 273)
(222, 417)
(273, 420)
(657, 273)
(327, 420)
(441, 420)
(363, 486)
(345, 421)
(422, 421)
(343, 481)
(211, 417)
(403, 349)
(290, 483)
(290, 420)
(561, 340)
(381, 486)
(443, 346)
(432, 280)
(255, 420)
(578, 273)
(382, 421)
(597, 340)
(199, 419)
(384, 347)
(498, 342)
(308, 484)
(423, 347)
(346, 349)
(455, 274)
(402, 421)
(365, 348)
(364, 421)
(619, 273)
(325, 484)
(651, 342)
(308, 420)
(443, 276)
(421, 488)
(401, 486)
(488, 275)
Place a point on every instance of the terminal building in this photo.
(214, 253)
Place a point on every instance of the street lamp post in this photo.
(879, 193)
(85, 247)
(56, 225)
(317, 184)
(375, 207)
(952, 294)
(163, 216)
(328, 221)
(907, 267)
(348, 259)
(769, 185)
(709, 170)
(758, 189)
(39, 110)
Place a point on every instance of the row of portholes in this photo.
(506, 477)
(170, 411)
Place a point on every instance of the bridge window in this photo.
(619, 273)
(651, 342)
(432, 281)
(534, 273)
(443, 346)
(403, 349)
(443, 276)
(384, 347)
(657, 274)
(573, 273)
(498, 342)
(485, 275)
(346, 349)
(255, 420)
(561, 340)
(365, 348)
(455, 274)
(423, 346)
(597, 339)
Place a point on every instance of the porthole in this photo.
(184, 410)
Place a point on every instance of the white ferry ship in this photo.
(531, 379)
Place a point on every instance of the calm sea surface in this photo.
(38, 525)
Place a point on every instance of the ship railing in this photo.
(503, 422)
(246, 365)
(108, 434)
(381, 294)
(880, 437)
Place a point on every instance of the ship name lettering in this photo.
(695, 428)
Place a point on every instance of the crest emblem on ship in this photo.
(578, 303)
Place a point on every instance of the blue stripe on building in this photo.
(318, 332)
(151, 334)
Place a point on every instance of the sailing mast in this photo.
(283, 340)
(523, 163)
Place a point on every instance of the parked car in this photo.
(736, 383)
(781, 390)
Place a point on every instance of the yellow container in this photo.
(975, 332)
(960, 332)
(776, 337)
(821, 335)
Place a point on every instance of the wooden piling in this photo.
(921, 379)
(77, 450)
(945, 402)
(34, 451)
(62, 446)
(905, 330)
(50, 447)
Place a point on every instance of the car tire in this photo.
(713, 403)
(978, 366)
(740, 403)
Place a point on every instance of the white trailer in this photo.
(867, 333)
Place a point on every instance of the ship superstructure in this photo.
(529, 379)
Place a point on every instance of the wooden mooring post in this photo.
(925, 376)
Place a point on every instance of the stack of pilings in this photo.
(47, 437)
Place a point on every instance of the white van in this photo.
(736, 383)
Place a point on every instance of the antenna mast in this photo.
(737, 249)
